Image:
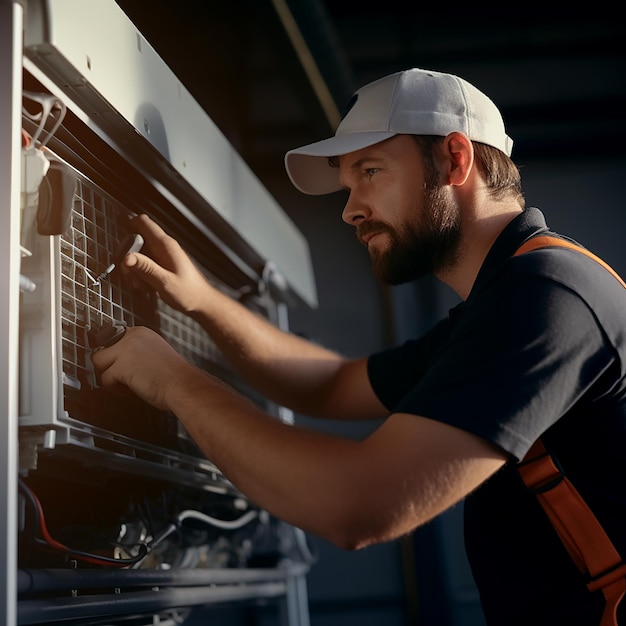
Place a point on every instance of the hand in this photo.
(143, 362)
(168, 269)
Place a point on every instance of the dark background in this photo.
(274, 75)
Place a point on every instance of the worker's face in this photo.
(408, 221)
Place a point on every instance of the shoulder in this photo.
(563, 260)
(581, 273)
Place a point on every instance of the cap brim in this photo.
(308, 166)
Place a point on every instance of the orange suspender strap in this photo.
(577, 526)
(543, 241)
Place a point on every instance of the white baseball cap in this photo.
(413, 102)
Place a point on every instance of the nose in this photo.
(354, 211)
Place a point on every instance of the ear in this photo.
(458, 153)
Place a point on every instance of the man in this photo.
(536, 349)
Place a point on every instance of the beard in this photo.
(425, 246)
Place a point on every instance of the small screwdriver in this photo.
(130, 243)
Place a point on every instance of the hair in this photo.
(501, 175)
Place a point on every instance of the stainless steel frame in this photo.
(11, 24)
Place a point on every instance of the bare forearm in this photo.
(290, 370)
(272, 463)
(284, 469)
(352, 493)
(315, 481)
(287, 369)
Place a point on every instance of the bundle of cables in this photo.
(43, 538)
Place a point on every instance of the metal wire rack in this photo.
(97, 227)
(98, 224)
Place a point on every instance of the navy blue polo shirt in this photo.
(537, 349)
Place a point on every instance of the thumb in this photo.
(144, 268)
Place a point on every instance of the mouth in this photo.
(369, 237)
(366, 232)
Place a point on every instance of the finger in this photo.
(154, 236)
(107, 380)
(158, 244)
(146, 226)
(143, 267)
(102, 358)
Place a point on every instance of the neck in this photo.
(480, 228)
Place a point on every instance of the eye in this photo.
(370, 171)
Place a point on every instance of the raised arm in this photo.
(287, 369)
(352, 493)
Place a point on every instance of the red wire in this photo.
(44, 530)
(53, 543)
